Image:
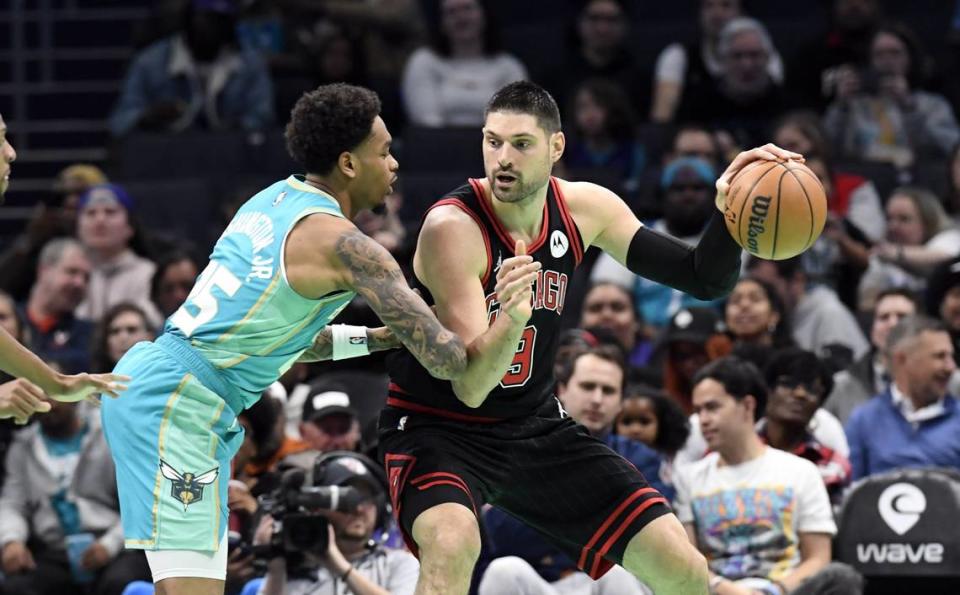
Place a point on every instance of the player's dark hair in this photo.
(799, 365)
(524, 97)
(739, 379)
(608, 352)
(673, 425)
(327, 121)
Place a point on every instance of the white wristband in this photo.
(349, 341)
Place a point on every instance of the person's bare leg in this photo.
(662, 556)
(183, 585)
(448, 538)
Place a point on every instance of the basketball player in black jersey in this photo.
(503, 439)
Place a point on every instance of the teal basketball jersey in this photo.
(242, 315)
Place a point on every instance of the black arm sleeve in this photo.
(706, 272)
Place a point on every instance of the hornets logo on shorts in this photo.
(187, 487)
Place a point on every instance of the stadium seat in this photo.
(901, 527)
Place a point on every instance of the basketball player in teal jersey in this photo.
(287, 263)
(27, 395)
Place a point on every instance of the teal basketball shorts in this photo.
(172, 440)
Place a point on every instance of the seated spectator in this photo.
(328, 421)
(63, 276)
(693, 338)
(744, 98)
(942, 300)
(450, 82)
(54, 217)
(920, 236)
(650, 416)
(123, 326)
(819, 69)
(882, 116)
(610, 306)
(756, 315)
(841, 254)
(352, 562)
(688, 68)
(798, 383)
(59, 516)
(107, 231)
(760, 515)
(952, 200)
(820, 322)
(11, 320)
(851, 197)
(915, 422)
(870, 374)
(197, 78)
(174, 277)
(590, 387)
(688, 193)
(599, 48)
(604, 134)
(695, 140)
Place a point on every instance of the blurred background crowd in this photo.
(140, 126)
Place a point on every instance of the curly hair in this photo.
(673, 426)
(327, 121)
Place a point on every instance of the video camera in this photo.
(299, 524)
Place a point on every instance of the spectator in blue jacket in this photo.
(590, 387)
(915, 422)
(197, 78)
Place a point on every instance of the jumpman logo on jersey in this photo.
(496, 268)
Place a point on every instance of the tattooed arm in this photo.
(378, 339)
(375, 275)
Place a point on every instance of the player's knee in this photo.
(448, 531)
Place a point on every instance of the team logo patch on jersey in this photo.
(558, 243)
(187, 488)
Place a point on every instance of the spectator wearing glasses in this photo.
(798, 383)
(688, 192)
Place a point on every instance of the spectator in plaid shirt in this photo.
(799, 382)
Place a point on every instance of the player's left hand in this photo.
(95, 557)
(78, 387)
(768, 152)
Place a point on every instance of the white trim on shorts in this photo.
(189, 563)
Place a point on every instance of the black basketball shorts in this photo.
(544, 469)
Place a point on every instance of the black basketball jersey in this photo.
(529, 380)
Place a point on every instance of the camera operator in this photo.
(353, 562)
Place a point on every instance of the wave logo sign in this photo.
(901, 506)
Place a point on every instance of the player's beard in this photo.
(521, 190)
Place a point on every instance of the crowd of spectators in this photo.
(815, 372)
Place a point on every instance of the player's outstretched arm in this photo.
(707, 271)
(17, 360)
(375, 275)
(378, 339)
(450, 260)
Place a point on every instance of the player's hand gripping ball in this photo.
(775, 210)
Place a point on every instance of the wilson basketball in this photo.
(776, 210)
